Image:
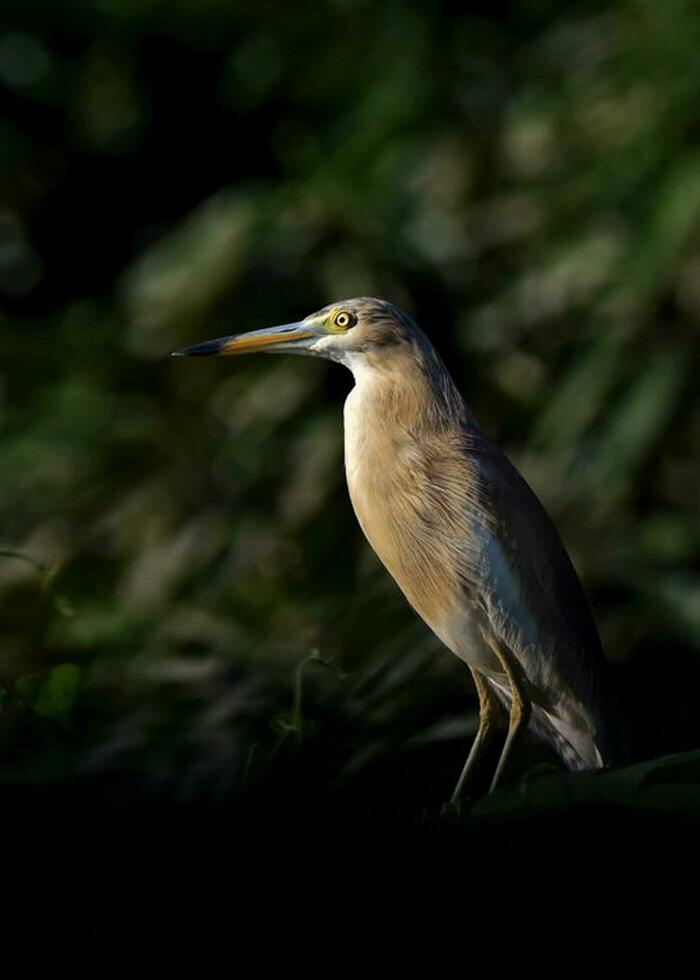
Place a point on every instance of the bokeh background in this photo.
(187, 603)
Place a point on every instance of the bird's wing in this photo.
(535, 605)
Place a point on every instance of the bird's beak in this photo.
(288, 337)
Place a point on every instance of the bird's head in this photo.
(343, 331)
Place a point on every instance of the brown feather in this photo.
(467, 540)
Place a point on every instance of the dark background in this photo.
(191, 619)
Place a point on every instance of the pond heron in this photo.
(461, 532)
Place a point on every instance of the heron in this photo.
(464, 536)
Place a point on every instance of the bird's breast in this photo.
(410, 504)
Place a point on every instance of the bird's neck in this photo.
(404, 450)
(410, 391)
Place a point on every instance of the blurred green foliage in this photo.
(524, 179)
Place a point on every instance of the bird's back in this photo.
(535, 604)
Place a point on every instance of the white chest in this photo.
(372, 457)
(359, 444)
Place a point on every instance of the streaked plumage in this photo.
(459, 529)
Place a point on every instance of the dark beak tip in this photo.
(205, 349)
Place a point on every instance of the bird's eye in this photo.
(344, 319)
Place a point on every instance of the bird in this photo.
(459, 529)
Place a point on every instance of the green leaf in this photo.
(58, 693)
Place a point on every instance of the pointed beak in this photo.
(288, 337)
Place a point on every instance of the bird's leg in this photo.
(489, 710)
(519, 709)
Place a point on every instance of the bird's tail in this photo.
(581, 741)
(576, 745)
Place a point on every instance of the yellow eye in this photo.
(344, 319)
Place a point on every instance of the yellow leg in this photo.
(519, 709)
(489, 711)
